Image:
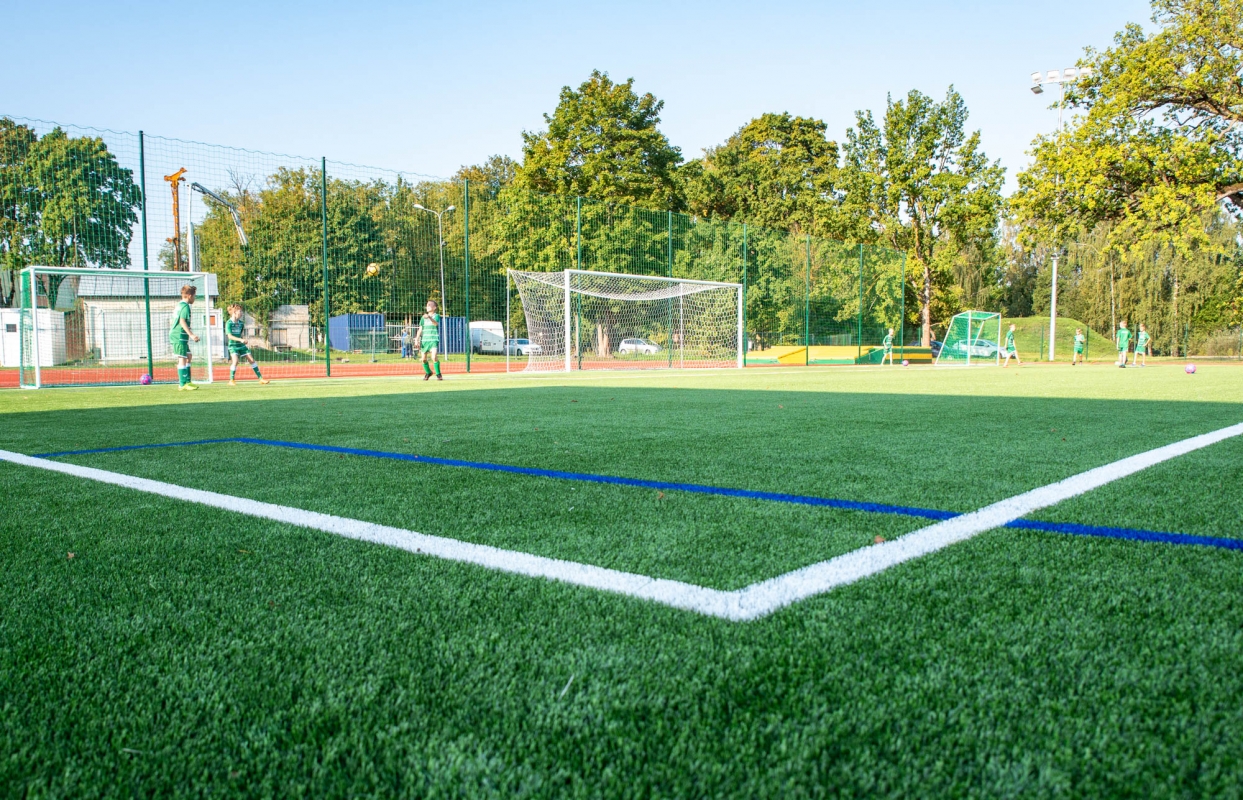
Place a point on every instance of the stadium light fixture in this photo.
(440, 224)
(237, 218)
(1061, 78)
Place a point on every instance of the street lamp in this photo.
(1039, 80)
(440, 224)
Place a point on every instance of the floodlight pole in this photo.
(440, 227)
(1061, 78)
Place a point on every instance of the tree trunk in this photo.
(925, 308)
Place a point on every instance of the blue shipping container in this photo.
(340, 327)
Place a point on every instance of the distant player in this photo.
(180, 336)
(1124, 343)
(1143, 344)
(1011, 350)
(428, 337)
(1081, 343)
(235, 337)
(888, 345)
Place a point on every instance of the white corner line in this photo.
(752, 602)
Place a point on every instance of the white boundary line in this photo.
(749, 603)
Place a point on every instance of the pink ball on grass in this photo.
(145, 380)
(1190, 369)
(906, 363)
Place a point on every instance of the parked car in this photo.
(977, 348)
(638, 347)
(522, 347)
(936, 347)
(484, 340)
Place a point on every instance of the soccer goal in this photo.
(80, 327)
(578, 319)
(970, 339)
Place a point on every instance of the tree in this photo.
(603, 142)
(1160, 143)
(777, 171)
(491, 176)
(918, 183)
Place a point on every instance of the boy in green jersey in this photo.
(180, 335)
(888, 345)
(1124, 343)
(1143, 342)
(1011, 350)
(428, 337)
(1080, 342)
(235, 337)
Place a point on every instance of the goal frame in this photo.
(972, 336)
(567, 305)
(27, 292)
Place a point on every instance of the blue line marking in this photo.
(1132, 534)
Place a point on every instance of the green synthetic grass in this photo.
(190, 651)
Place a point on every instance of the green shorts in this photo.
(240, 351)
(181, 347)
(1079, 351)
(430, 349)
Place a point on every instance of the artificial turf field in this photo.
(189, 650)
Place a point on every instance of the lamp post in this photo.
(1039, 80)
(440, 225)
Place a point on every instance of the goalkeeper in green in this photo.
(888, 347)
(234, 334)
(1143, 344)
(180, 336)
(1124, 343)
(428, 337)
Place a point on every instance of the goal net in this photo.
(78, 327)
(578, 319)
(973, 337)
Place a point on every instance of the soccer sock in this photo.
(427, 369)
(183, 376)
(232, 373)
(437, 369)
(255, 367)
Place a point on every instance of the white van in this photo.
(487, 338)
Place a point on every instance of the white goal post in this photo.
(581, 319)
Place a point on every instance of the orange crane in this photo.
(174, 182)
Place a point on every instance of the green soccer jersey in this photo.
(429, 335)
(1010, 341)
(177, 333)
(237, 329)
(1141, 342)
(888, 344)
(1124, 338)
(1080, 341)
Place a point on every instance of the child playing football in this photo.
(1143, 343)
(234, 334)
(1124, 343)
(888, 345)
(1011, 350)
(1080, 342)
(180, 336)
(428, 337)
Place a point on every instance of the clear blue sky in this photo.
(427, 88)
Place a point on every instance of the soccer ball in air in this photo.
(145, 380)
(906, 362)
(373, 269)
(1190, 369)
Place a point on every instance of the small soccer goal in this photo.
(578, 319)
(79, 327)
(973, 338)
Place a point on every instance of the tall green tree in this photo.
(777, 171)
(603, 142)
(918, 182)
(490, 177)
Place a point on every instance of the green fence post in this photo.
(902, 312)
(807, 308)
(578, 232)
(323, 215)
(744, 294)
(669, 216)
(1041, 339)
(859, 326)
(146, 282)
(466, 260)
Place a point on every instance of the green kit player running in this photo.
(1124, 343)
(1080, 343)
(235, 336)
(180, 335)
(428, 337)
(1011, 350)
(1143, 343)
(888, 345)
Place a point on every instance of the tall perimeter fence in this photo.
(333, 262)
